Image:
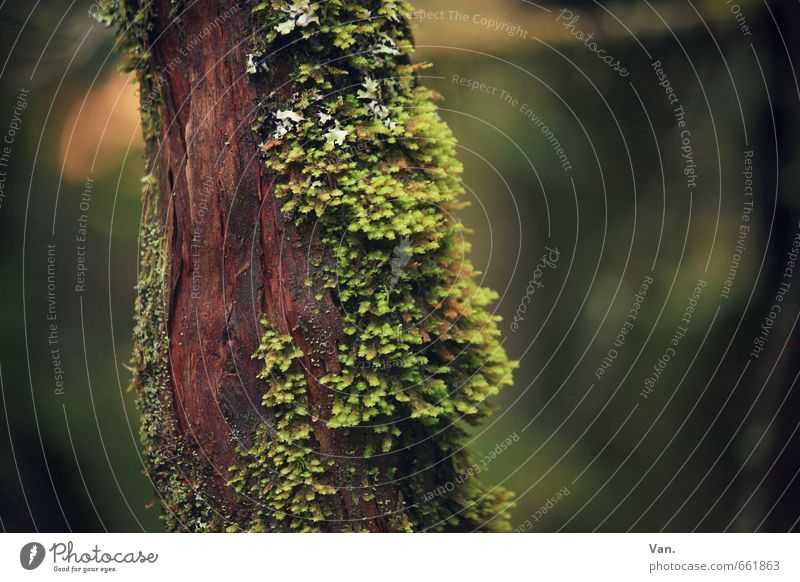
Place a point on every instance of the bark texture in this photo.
(296, 371)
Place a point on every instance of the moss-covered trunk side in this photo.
(309, 341)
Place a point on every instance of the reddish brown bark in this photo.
(232, 255)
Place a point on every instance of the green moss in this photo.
(280, 472)
(362, 152)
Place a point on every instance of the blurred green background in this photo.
(713, 447)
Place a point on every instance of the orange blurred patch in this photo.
(97, 131)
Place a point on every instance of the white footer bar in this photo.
(388, 558)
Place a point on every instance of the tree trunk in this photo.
(309, 340)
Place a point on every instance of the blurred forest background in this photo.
(712, 447)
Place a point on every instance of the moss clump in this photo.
(280, 473)
(362, 154)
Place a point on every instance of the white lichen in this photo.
(289, 115)
(370, 90)
(386, 46)
(371, 93)
(254, 64)
(286, 120)
(336, 135)
(301, 14)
